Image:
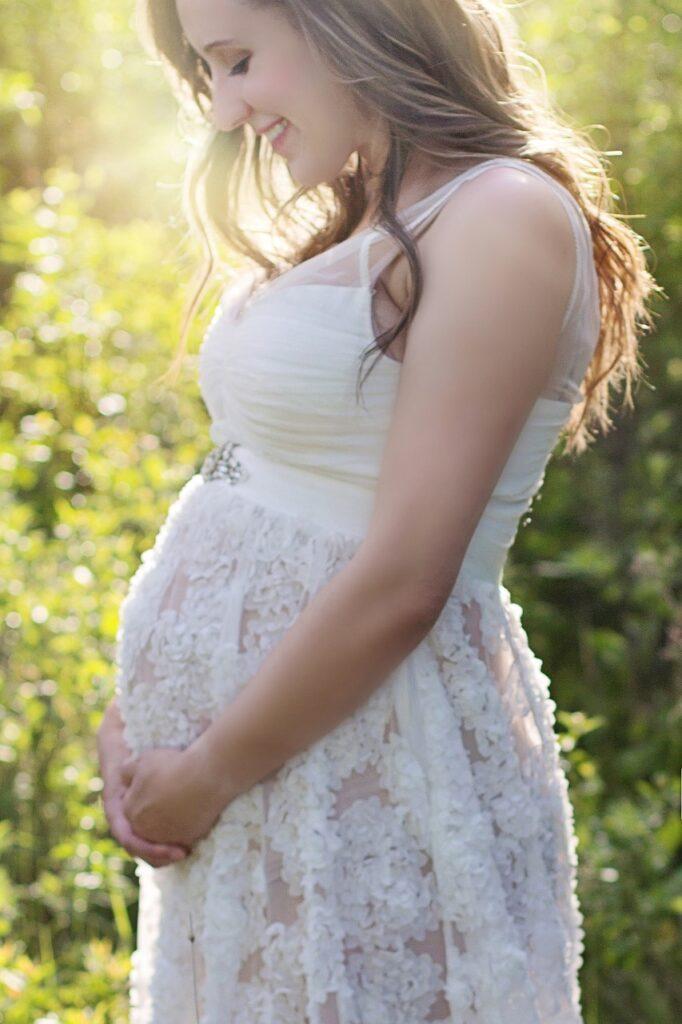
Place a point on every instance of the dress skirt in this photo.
(416, 864)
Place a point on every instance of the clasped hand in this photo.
(170, 796)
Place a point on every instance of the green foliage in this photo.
(92, 452)
(92, 455)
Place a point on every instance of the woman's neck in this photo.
(420, 180)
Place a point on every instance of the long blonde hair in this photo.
(444, 75)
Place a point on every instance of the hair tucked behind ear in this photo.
(444, 76)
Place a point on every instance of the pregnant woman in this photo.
(332, 749)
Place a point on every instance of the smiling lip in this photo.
(272, 124)
(281, 138)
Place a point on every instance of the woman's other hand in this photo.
(113, 752)
(171, 797)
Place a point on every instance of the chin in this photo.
(308, 177)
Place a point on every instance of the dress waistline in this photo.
(333, 504)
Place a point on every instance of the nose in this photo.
(229, 109)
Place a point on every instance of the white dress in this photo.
(418, 862)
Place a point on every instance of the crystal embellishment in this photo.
(221, 464)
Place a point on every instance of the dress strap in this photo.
(427, 206)
(363, 258)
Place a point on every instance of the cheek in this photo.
(280, 87)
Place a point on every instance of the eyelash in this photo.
(242, 61)
(207, 69)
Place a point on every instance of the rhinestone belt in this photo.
(221, 464)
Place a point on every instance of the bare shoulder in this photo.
(503, 213)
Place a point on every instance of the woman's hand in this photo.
(113, 752)
(171, 798)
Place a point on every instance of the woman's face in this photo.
(266, 71)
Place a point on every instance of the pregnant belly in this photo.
(174, 655)
(223, 582)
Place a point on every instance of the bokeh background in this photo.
(94, 268)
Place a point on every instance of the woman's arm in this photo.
(498, 271)
(346, 641)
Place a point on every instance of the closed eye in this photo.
(239, 65)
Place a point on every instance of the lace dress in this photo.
(418, 862)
